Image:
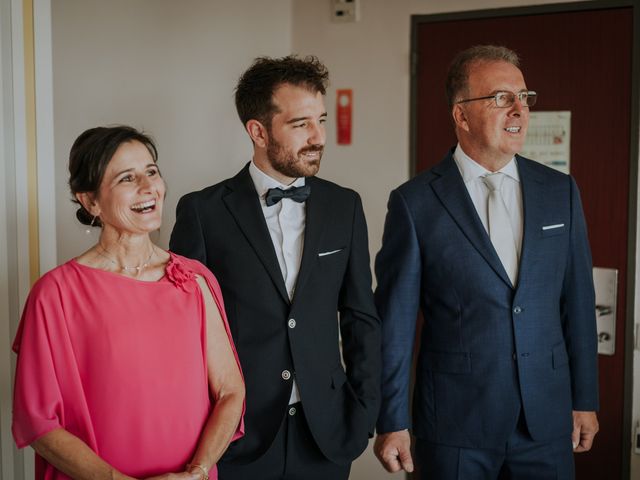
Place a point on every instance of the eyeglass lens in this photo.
(506, 99)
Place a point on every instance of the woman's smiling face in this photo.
(132, 191)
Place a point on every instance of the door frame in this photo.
(634, 160)
(27, 191)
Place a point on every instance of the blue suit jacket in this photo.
(487, 350)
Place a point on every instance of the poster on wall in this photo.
(548, 139)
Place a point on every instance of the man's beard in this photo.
(286, 163)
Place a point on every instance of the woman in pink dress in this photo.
(126, 367)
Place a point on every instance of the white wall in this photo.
(635, 414)
(7, 180)
(167, 67)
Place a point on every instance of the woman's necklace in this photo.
(126, 268)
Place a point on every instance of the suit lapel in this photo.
(533, 211)
(317, 211)
(450, 189)
(244, 205)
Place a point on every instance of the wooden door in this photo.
(581, 61)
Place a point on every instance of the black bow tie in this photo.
(297, 194)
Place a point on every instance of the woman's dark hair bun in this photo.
(86, 218)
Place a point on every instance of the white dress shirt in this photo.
(472, 174)
(286, 222)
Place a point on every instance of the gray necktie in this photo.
(500, 230)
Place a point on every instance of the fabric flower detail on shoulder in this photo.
(180, 275)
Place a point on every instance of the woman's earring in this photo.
(93, 221)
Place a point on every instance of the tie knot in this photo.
(297, 194)
(493, 181)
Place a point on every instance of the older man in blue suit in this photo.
(493, 248)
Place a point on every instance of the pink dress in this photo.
(118, 362)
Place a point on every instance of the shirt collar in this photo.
(264, 182)
(471, 170)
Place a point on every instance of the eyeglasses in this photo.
(507, 99)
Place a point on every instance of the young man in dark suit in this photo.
(290, 252)
(493, 248)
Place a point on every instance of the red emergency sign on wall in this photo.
(344, 102)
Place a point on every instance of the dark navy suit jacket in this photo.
(488, 351)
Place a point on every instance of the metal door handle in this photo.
(605, 282)
(604, 310)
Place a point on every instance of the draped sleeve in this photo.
(38, 399)
(199, 269)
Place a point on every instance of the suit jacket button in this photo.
(291, 323)
(286, 374)
(292, 411)
(517, 310)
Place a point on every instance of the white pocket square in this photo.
(324, 254)
(551, 227)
